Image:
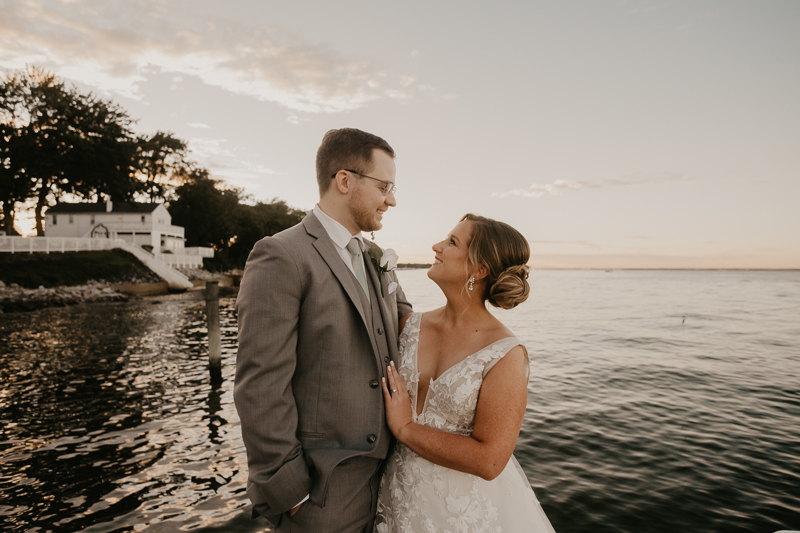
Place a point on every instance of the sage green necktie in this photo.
(358, 264)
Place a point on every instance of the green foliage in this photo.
(217, 217)
(57, 141)
(161, 162)
(70, 268)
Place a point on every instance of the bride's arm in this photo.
(498, 417)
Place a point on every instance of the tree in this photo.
(206, 209)
(161, 163)
(15, 186)
(215, 216)
(103, 155)
(254, 222)
(59, 141)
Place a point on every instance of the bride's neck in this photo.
(461, 309)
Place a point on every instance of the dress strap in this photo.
(499, 350)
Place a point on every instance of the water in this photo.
(659, 402)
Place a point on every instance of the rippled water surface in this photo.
(659, 402)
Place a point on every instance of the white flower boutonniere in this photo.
(384, 261)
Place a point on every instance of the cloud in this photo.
(560, 186)
(233, 165)
(199, 125)
(641, 6)
(579, 243)
(112, 44)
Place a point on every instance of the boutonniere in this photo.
(384, 261)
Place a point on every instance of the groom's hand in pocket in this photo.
(293, 510)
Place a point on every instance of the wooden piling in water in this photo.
(212, 319)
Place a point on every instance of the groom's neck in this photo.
(336, 208)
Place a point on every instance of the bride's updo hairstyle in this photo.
(505, 254)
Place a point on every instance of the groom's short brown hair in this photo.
(346, 148)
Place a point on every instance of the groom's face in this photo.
(367, 202)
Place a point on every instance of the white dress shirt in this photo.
(341, 237)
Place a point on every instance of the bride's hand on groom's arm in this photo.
(398, 403)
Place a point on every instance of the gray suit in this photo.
(312, 351)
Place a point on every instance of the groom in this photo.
(318, 323)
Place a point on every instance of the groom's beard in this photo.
(364, 217)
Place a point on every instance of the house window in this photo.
(71, 219)
(55, 219)
(142, 219)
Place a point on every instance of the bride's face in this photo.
(451, 256)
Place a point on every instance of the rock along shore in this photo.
(14, 299)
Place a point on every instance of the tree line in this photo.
(58, 143)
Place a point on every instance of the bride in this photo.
(456, 401)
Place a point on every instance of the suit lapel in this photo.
(327, 250)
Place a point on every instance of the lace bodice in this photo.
(453, 396)
(417, 496)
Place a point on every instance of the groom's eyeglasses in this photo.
(388, 186)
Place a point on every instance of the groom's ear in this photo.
(343, 181)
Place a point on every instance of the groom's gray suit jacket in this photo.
(312, 352)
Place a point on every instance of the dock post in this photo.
(212, 318)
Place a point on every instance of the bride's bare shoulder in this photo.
(497, 330)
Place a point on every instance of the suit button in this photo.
(380, 331)
(371, 438)
(374, 383)
(386, 359)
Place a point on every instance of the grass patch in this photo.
(70, 268)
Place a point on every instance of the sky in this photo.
(612, 134)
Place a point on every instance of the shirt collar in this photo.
(336, 231)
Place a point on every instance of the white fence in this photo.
(176, 280)
(53, 244)
(164, 269)
(182, 260)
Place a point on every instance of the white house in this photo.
(148, 225)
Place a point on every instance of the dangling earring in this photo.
(373, 236)
(471, 281)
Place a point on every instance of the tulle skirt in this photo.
(417, 496)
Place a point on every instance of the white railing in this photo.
(53, 244)
(202, 251)
(182, 260)
(133, 227)
(175, 279)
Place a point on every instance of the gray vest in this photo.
(377, 334)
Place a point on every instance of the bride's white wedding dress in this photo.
(417, 496)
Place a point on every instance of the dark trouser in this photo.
(350, 506)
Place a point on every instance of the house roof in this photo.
(116, 207)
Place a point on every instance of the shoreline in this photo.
(17, 299)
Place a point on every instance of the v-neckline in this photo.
(448, 369)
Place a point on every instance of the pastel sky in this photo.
(612, 134)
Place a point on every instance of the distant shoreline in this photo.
(677, 269)
(418, 266)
